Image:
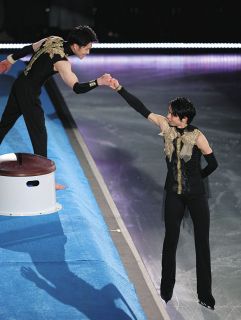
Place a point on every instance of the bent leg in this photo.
(34, 118)
(10, 115)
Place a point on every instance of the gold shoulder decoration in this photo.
(165, 127)
(53, 45)
(169, 135)
(188, 139)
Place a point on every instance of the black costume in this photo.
(24, 96)
(184, 188)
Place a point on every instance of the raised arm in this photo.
(6, 64)
(70, 78)
(136, 104)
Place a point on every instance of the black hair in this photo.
(82, 35)
(182, 107)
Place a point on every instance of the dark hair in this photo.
(182, 107)
(82, 35)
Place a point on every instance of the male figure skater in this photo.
(184, 146)
(49, 56)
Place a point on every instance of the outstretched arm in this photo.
(6, 64)
(212, 164)
(70, 78)
(136, 104)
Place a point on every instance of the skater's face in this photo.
(81, 51)
(174, 120)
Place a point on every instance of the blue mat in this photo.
(63, 265)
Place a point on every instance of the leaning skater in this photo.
(48, 56)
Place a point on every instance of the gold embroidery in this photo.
(184, 148)
(188, 139)
(53, 45)
(179, 171)
(165, 126)
(169, 135)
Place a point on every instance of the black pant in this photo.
(174, 210)
(23, 100)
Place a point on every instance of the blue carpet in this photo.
(63, 265)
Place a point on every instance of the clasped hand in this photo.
(108, 80)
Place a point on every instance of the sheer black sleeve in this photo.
(23, 52)
(134, 102)
(212, 165)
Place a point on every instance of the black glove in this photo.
(134, 102)
(212, 165)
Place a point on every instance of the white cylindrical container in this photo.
(27, 185)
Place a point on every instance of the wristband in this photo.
(10, 59)
(85, 86)
(93, 83)
(118, 88)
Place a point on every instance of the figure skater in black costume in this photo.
(49, 56)
(184, 146)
